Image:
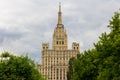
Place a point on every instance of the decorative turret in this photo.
(75, 46)
(45, 46)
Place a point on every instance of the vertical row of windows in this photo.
(60, 74)
(57, 73)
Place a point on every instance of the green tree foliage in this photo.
(18, 68)
(102, 62)
(71, 72)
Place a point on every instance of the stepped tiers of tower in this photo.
(55, 61)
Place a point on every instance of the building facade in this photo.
(55, 61)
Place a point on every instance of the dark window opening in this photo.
(43, 47)
(74, 47)
(77, 47)
(57, 42)
(62, 42)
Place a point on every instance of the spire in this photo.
(59, 15)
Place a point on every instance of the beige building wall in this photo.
(55, 61)
(60, 38)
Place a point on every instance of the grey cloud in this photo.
(7, 35)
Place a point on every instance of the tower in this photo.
(45, 46)
(60, 36)
(55, 61)
(75, 46)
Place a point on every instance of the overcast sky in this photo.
(25, 24)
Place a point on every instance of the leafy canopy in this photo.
(101, 62)
(18, 68)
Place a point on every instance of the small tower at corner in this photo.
(45, 46)
(75, 46)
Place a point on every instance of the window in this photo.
(62, 42)
(43, 47)
(77, 47)
(74, 47)
(57, 42)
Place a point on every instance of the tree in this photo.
(18, 68)
(103, 61)
(71, 69)
(108, 50)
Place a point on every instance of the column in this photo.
(62, 74)
(59, 74)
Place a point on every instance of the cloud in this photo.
(7, 36)
(25, 24)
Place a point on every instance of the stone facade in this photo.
(55, 61)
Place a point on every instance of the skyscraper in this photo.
(55, 61)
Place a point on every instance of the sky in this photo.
(26, 24)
